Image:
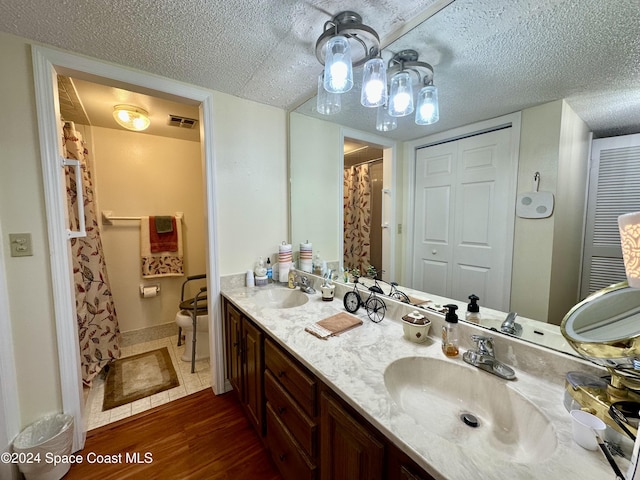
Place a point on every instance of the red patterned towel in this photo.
(163, 242)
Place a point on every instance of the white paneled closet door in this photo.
(614, 189)
(463, 221)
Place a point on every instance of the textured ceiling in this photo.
(491, 57)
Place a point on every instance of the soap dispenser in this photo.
(473, 309)
(450, 332)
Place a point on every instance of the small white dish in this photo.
(584, 427)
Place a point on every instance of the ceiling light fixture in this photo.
(345, 42)
(131, 117)
(402, 67)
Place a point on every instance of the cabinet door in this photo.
(348, 451)
(253, 370)
(234, 349)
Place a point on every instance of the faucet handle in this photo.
(484, 344)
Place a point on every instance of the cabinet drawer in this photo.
(290, 460)
(299, 384)
(291, 415)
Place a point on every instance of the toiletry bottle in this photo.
(269, 270)
(450, 332)
(292, 278)
(473, 309)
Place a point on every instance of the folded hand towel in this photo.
(164, 263)
(163, 241)
(334, 325)
(164, 224)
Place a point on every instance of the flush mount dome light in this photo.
(131, 118)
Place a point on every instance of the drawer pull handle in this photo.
(281, 374)
(281, 410)
(282, 457)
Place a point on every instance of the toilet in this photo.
(184, 320)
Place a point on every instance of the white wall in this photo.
(137, 174)
(316, 184)
(22, 210)
(547, 252)
(533, 239)
(250, 149)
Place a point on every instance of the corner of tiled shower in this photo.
(189, 383)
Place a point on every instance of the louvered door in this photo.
(614, 189)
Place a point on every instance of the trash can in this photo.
(42, 440)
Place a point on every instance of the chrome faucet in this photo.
(484, 358)
(510, 326)
(303, 282)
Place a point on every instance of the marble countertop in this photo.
(353, 364)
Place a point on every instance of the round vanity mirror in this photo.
(605, 327)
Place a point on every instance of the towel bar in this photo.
(108, 217)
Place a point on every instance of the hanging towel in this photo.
(164, 263)
(165, 240)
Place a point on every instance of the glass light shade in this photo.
(327, 103)
(384, 121)
(427, 108)
(629, 225)
(374, 83)
(131, 118)
(338, 70)
(400, 95)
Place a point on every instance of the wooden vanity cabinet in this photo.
(245, 363)
(310, 432)
(292, 427)
(349, 450)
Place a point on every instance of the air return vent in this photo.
(183, 122)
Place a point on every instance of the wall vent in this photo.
(182, 122)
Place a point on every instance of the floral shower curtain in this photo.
(357, 217)
(98, 330)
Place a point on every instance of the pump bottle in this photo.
(473, 309)
(450, 332)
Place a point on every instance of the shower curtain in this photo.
(98, 331)
(357, 217)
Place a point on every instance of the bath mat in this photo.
(138, 376)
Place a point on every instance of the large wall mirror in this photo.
(556, 73)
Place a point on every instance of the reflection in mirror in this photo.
(493, 66)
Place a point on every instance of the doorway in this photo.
(130, 175)
(49, 63)
(368, 206)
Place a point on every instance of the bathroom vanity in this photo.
(370, 404)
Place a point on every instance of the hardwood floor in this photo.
(201, 436)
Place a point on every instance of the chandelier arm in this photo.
(361, 42)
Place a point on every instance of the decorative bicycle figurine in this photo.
(393, 292)
(374, 305)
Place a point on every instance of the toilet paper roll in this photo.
(149, 292)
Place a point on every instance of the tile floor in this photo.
(189, 383)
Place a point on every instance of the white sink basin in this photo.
(273, 298)
(437, 393)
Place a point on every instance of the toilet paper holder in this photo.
(147, 291)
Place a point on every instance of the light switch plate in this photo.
(20, 244)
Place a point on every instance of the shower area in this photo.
(123, 312)
(363, 194)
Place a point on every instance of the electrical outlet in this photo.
(399, 229)
(20, 244)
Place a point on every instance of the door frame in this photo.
(513, 120)
(389, 168)
(47, 63)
